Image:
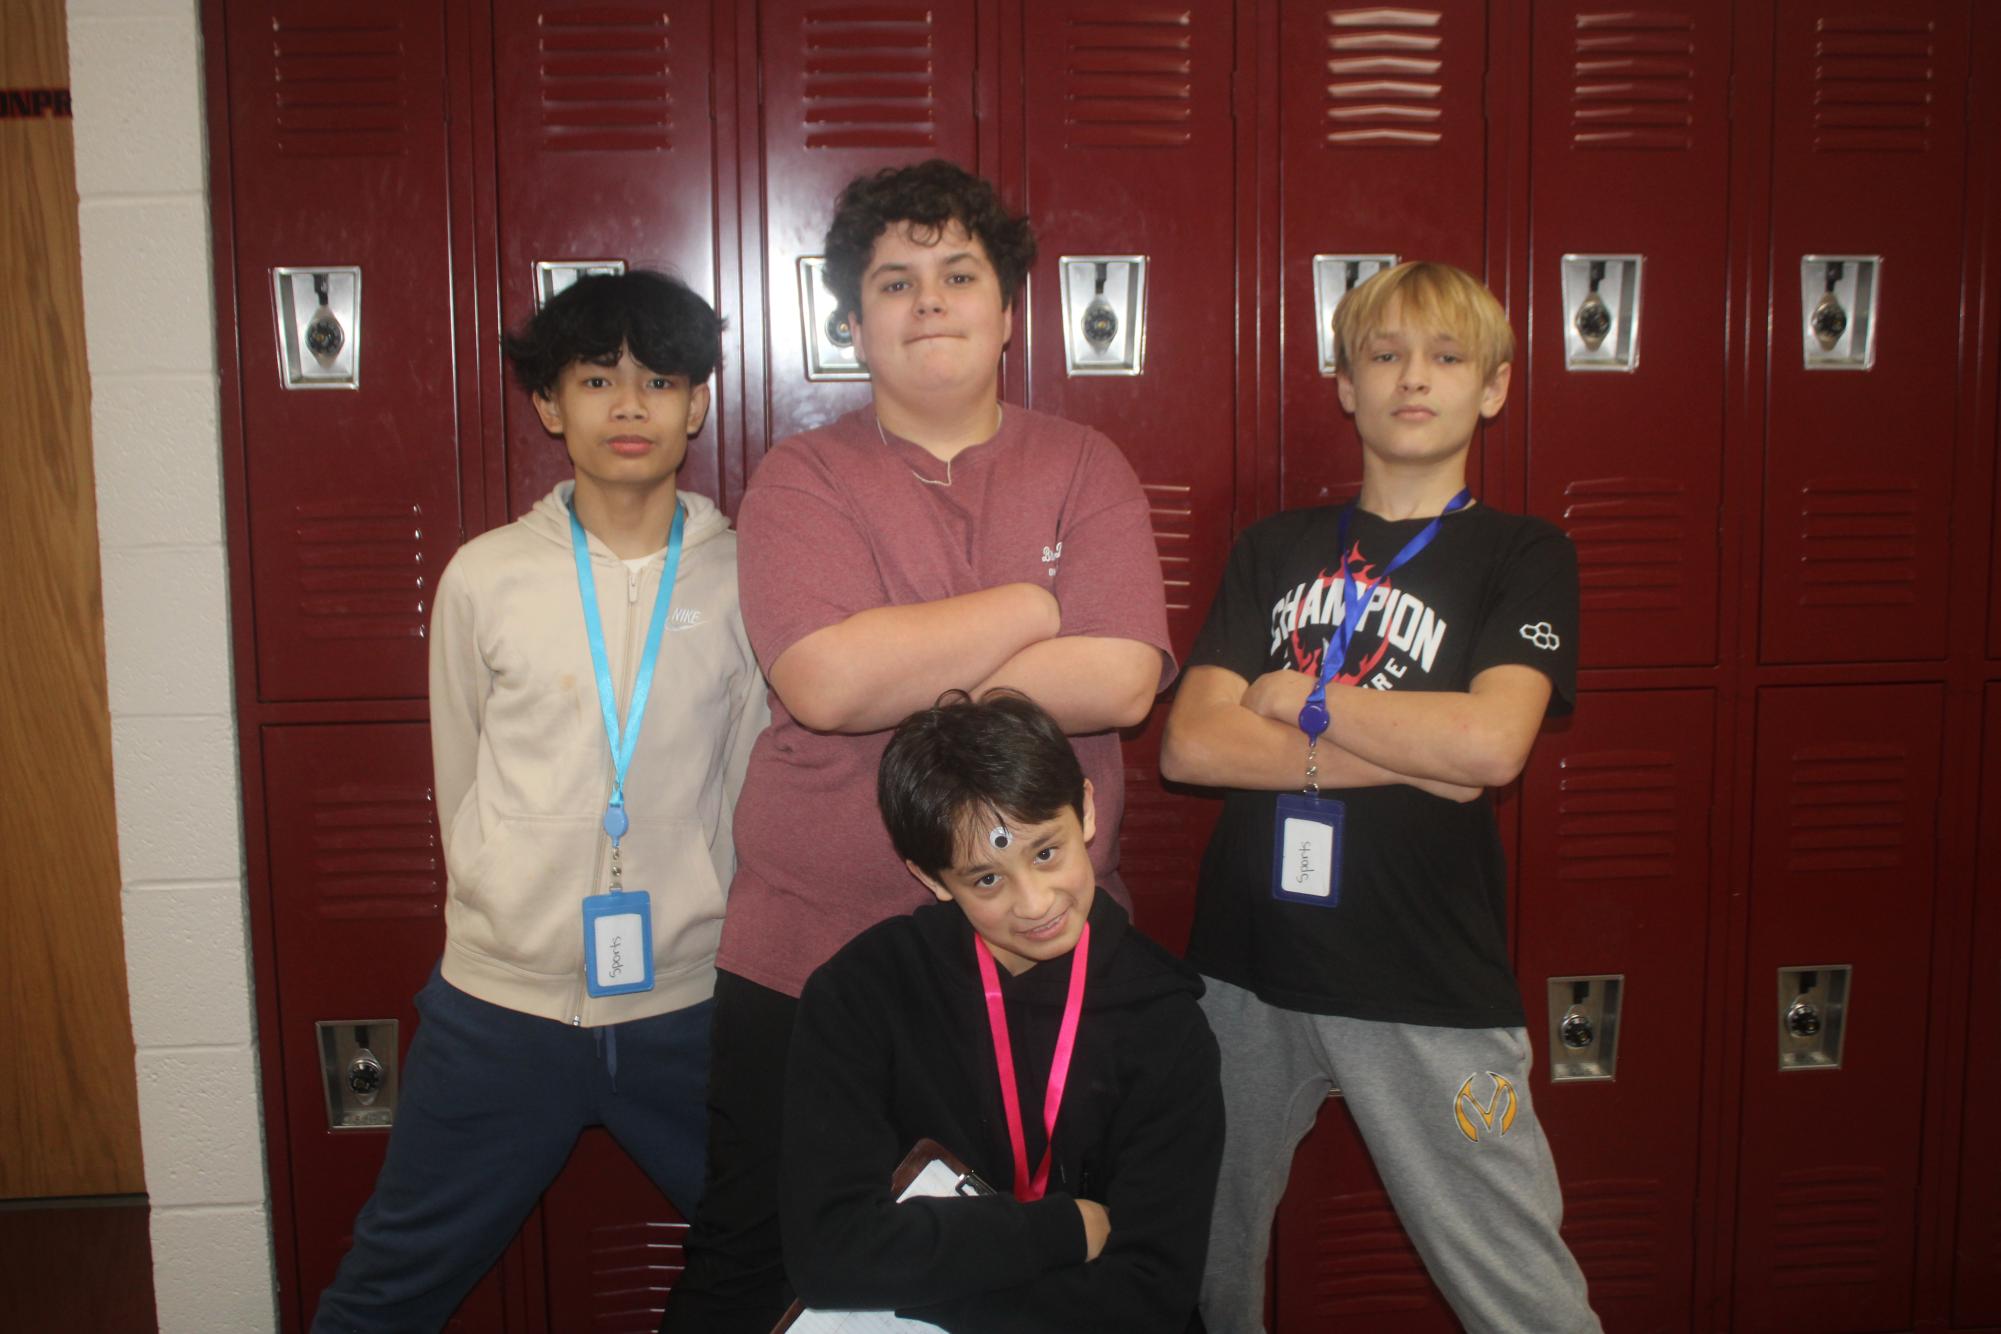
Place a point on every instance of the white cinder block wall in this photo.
(142, 184)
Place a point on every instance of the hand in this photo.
(1278, 695)
(1097, 1228)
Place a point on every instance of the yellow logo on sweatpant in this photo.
(1495, 1115)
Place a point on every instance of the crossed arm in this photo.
(1225, 731)
(876, 667)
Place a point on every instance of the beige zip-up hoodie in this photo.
(524, 768)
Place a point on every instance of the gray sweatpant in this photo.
(1446, 1115)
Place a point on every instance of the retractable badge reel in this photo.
(618, 926)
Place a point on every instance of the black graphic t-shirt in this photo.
(1420, 933)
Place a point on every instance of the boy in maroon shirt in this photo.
(934, 540)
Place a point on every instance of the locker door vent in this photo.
(1617, 816)
(1387, 87)
(1829, 1227)
(1858, 542)
(1631, 534)
(361, 570)
(1633, 81)
(1363, 1263)
(1172, 508)
(1872, 84)
(338, 82)
(375, 852)
(632, 1267)
(869, 78)
(1614, 1230)
(1129, 81)
(1159, 851)
(1847, 805)
(605, 78)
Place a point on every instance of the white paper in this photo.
(1309, 857)
(617, 952)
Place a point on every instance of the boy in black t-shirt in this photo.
(1357, 938)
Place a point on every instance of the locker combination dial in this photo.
(1830, 317)
(324, 336)
(1577, 1031)
(1803, 1018)
(1594, 319)
(364, 1076)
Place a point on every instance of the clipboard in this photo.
(929, 1170)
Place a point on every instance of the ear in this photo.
(944, 895)
(551, 413)
(1345, 387)
(698, 408)
(1496, 393)
(1090, 814)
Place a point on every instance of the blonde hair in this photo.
(1441, 296)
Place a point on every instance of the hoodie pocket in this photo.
(672, 860)
(518, 903)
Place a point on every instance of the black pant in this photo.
(735, 1279)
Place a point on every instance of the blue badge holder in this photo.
(1306, 837)
(618, 943)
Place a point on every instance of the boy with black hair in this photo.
(933, 540)
(896, 1041)
(1401, 651)
(587, 764)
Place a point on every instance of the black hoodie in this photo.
(892, 1045)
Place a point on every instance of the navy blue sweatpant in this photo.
(492, 1101)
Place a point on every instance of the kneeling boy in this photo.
(897, 1038)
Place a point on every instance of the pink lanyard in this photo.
(1026, 1189)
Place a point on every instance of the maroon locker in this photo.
(1976, 1295)
(1843, 859)
(358, 885)
(338, 155)
(1615, 881)
(1869, 145)
(1630, 157)
(605, 151)
(1342, 1259)
(1126, 105)
(848, 88)
(1383, 138)
(611, 1243)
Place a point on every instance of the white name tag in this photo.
(1309, 857)
(618, 948)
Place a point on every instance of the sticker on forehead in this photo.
(999, 837)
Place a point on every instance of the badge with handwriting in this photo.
(1306, 849)
(618, 943)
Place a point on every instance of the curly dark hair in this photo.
(962, 763)
(669, 328)
(930, 196)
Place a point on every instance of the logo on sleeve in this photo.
(1493, 1117)
(1543, 635)
(1050, 555)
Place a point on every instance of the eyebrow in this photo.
(900, 266)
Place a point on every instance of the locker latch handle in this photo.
(1830, 317)
(1101, 322)
(324, 336)
(1594, 318)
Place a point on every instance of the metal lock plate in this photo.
(1104, 314)
(1812, 1016)
(1334, 276)
(1584, 1026)
(319, 326)
(556, 275)
(1601, 312)
(1838, 311)
(358, 1072)
(830, 343)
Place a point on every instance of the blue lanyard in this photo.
(623, 740)
(1354, 598)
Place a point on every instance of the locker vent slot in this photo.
(1858, 542)
(1163, 844)
(1847, 805)
(1631, 535)
(375, 852)
(1385, 78)
(869, 78)
(1872, 84)
(1616, 816)
(605, 80)
(632, 1266)
(361, 570)
(1172, 507)
(1828, 1227)
(1129, 81)
(1363, 1263)
(338, 84)
(1633, 81)
(1614, 1230)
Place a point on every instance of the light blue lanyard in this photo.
(1354, 598)
(623, 740)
